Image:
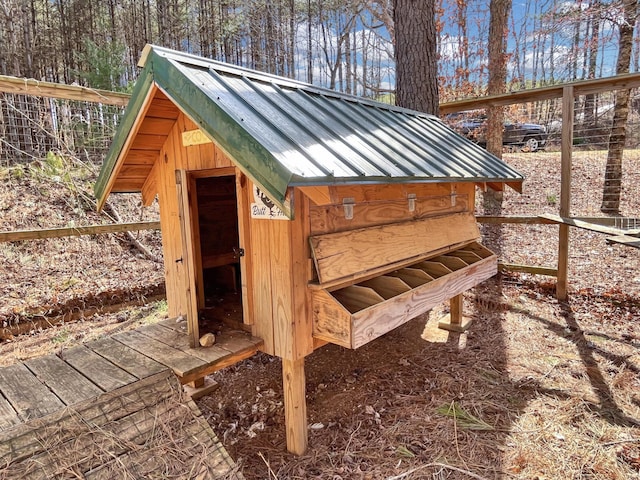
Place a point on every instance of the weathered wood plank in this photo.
(231, 339)
(575, 222)
(96, 368)
(126, 358)
(339, 255)
(28, 439)
(626, 240)
(581, 87)
(8, 415)
(524, 219)
(205, 455)
(18, 235)
(59, 451)
(510, 267)
(180, 341)
(62, 379)
(180, 362)
(26, 394)
(38, 88)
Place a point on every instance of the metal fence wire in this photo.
(32, 127)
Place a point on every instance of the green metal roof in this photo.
(285, 133)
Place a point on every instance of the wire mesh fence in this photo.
(532, 138)
(32, 127)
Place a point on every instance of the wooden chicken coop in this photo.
(311, 215)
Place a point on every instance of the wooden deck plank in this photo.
(180, 362)
(28, 396)
(180, 341)
(8, 415)
(233, 340)
(125, 357)
(99, 370)
(28, 439)
(62, 379)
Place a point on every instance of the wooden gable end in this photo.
(148, 135)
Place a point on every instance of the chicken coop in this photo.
(301, 215)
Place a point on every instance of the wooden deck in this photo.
(103, 376)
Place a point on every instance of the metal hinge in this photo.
(412, 202)
(238, 252)
(348, 204)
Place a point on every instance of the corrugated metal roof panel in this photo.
(303, 135)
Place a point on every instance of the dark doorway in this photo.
(219, 249)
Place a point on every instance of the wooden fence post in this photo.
(565, 190)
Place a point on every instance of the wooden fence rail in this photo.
(19, 235)
(26, 86)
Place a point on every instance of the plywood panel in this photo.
(331, 218)
(371, 323)
(367, 193)
(340, 255)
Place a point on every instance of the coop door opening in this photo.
(220, 297)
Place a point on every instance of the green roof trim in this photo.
(283, 133)
(250, 156)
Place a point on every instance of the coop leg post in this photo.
(295, 406)
(454, 321)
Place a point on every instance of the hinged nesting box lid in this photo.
(344, 256)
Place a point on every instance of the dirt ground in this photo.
(536, 389)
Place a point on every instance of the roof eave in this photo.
(300, 181)
(140, 97)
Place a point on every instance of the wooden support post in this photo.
(565, 190)
(295, 405)
(455, 322)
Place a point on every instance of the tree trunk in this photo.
(416, 55)
(613, 171)
(498, 29)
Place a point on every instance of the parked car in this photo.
(531, 137)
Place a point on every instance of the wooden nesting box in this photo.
(300, 214)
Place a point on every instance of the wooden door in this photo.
(185, 187)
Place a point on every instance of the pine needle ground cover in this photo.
(536, 389)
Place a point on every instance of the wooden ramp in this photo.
(104, 407)
(146, 429)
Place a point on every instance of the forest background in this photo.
(343, 45)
